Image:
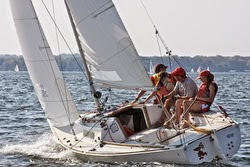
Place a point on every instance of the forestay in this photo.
(112, 58)
(43, 70)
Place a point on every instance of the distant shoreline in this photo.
(215, 63)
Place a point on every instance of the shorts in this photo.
(204, 106)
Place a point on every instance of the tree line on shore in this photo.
(217, 63)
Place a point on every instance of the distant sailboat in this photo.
(16, 68)
(151, 68)
(232, 70)
(199, 69)
(192, 70)
(208, 68)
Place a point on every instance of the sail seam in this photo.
(33, 18)
(51, 118)
(116, 54)
(104, 10)
(54, 101)
(93, 13)
(40, 60)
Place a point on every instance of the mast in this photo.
(91, 84)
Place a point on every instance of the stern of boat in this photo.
(219, 146)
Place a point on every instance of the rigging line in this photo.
(159, 47)
(87, 133)
(169, 60)
(57, 40)
(156, 30)
(178, 62)
(65, 41)
(164, 43)
(116, 96)
(93, 12)
(91, 129)
(83, 56)
(181, 65)
(60, 60)
(108, 132)
(57, 85)
(151, 20)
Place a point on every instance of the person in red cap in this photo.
(205, 97)
(154, 78)
(184, 89)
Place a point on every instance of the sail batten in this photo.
(44, 72)
(111, 55)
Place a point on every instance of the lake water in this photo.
(26, 139)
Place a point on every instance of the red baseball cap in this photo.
(204, 73)
(179, 71)
(158, 67)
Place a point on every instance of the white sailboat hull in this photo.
(160, 144)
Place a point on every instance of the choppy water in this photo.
(26, 140)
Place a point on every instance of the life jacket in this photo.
(204, 92)
(162, 91)
(155, 78)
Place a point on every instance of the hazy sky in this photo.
(189, 27)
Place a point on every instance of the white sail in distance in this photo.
(112, 58)
(16, 68)
(44, 72)
(151, 68)
(199, 69)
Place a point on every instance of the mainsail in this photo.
(112, 58)
(43, 70)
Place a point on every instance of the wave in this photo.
(44, 147)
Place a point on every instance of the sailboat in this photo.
(192, 70)
(121, 133)
(16, 68)
(151, 68)
(208, 68)
(198, 69)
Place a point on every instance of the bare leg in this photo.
(168, 103)
(195, 107)
(186, 104)
(178, 107)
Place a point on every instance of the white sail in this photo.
(16, 68)
(112, 57)
(199, 69)
(43, 70)
(151, 68)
